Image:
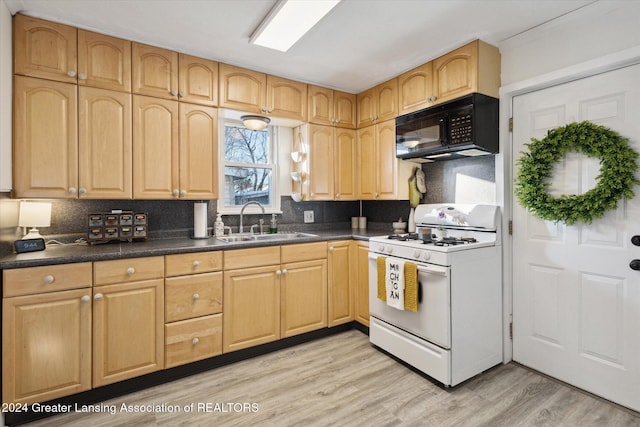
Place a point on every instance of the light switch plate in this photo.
(308, 217)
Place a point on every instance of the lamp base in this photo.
(34, 233)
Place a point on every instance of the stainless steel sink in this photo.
(235, 238)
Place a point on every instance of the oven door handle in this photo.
(428, 270)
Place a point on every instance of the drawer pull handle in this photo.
(196, 297)
(49, 279)
(85, 298)
(97, 297)
(195, 341)
(130, 271)
(196, 264)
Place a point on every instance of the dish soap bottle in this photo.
(218, 226)
(273, 227)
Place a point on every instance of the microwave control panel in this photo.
(461, 129)
(117, 225)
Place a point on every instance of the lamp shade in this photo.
(254, 122)
(34, 214)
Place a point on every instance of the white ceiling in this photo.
(358, 45)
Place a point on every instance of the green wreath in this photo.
(616, 179)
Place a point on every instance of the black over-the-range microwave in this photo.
(464, 127)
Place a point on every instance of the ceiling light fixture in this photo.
(254, 122)
(288, 21)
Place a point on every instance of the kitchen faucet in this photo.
(252, 202)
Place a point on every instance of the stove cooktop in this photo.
(432, 239)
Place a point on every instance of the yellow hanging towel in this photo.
(382, 290)
(411, 286)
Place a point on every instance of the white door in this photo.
(576, 301)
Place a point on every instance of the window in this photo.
(249, 169)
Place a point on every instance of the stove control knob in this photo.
(390, 249)
(381, 248)
(417, 254)
(426, 256)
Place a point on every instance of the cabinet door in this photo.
(154, 71)
(320, 105)
(251, 309)
(415, 89)
(344, 110)
(387, 100)
(155, 148)
(198, 152)
(242, 89)
(362, 283)
(128, 330)
(286, 98)
(367, 170)
(386, 161)
(367, 108)
(455, 74)
(198, 80)
(46, 346)
(304, 297)
(104, 61)
(345, 164)
(45, 49)
(340, 288)
(104, 144)
(321, 162)
(45, 138)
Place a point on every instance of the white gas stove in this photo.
(456, 332)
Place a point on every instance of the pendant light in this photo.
(255, 122)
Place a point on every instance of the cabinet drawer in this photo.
(50, 278)
(304, 252)
(193, 339)
(128, 270)
(192, 296)
(249, 258)
(200, 262)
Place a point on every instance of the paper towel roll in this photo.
(200, 220)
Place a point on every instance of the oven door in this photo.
(432, 321)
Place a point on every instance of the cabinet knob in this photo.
(195, 341)
(176, 192)
(284, 271)
(182, 94)
(97, 297)
(174, 92)
(338, 196)
(196, 297)
(278, 273)
(269, 110)
(85, 298)
(433, 98)
(196, 264)
(83, 190)
(375, 195)
(72, 190)
(330, 248)
(183, 193)
(49, 279)
(130, 271)
(82, 76)
(71, 73)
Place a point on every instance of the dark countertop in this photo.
(71, 253)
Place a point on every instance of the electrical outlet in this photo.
(308, 216)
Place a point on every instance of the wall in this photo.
(5, 97)
(469, 180)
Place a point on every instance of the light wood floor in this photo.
(343, 381)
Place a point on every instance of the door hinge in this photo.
(510, 124)
(510, 227)
(511, 330)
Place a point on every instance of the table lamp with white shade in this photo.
(34, 214)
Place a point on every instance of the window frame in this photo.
(272, 164)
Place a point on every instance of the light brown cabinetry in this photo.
(46, 332)
(378, 104)
(303, 288)
(286, 98)
(362, 283)
(341, 267)
(377, 164)
(251, 310)
(45, 49)
(104, 144)
(474, 67)
(128, 319)
(415, 89)
(154, 71)
(193, 307)
(198, 80)
(104, 61)
(345, 164)
(45, 138)
(332, 108)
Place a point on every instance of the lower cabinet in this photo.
(362, 283)
(341, 279)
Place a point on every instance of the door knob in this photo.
(635, 240)
(635, 264)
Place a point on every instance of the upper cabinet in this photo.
(198, 80)
(104, 61)
(253, 92)
(378, 104)
(474, 67)
(331, 107)
(45, 49)
(154, 71)
(415, 89)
